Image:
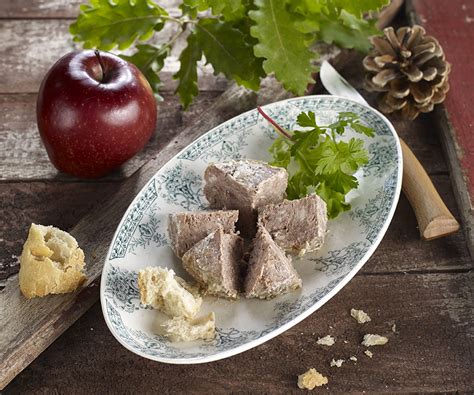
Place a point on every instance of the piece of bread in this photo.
(374, 340)
(186, 229)
(179, 329)
(161, 289)
(215, 263)
(244, 185)
(298, 226)
(51, 262)
(311, 379)
(270, 272)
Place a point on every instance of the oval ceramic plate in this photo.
(141, 238)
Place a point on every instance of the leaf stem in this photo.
(159, 51)
(180, 21)
(277, 127)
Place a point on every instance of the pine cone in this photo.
(409, 70)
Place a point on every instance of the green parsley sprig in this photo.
(318, 160)
(243, 39)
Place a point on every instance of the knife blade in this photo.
(433, 217)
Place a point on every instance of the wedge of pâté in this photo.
(187, 228)
(298, 226)
(270, 272)
(215, 263)
(244, 185)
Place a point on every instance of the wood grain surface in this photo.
(31, 47)
(55, 9)
(425, 288)
(20, 141)
(31, 325)
(431, 350)
(453, 24)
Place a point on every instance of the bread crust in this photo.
(51, 262)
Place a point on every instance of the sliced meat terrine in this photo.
(297, 226)
(215, 263)
(270, 272)
(244, 185)
(187, 228)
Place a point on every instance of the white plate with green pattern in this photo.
(141, 238)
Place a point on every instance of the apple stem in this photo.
(102, 66)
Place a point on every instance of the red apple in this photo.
(94, 112)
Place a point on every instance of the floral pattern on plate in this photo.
(141, 237)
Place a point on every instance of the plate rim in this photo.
(276, 332)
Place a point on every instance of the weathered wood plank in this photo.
(64, 204)
(49, 203)
(441, 19)
(23, 157)
(62, 201)
(31, 325)
(454, 117)
(56, 8)
(39, 8)
(402, 250)
(47, 319)
(29, 48)
(458, 179)
(431, 350)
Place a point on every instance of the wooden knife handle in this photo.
(434, 218)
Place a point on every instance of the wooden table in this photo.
(425, 288)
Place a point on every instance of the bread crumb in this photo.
(338, 363)
(374, 340)
(327, 340)
(360, 316)
(353, 358)
(161, 289)
(311, 379)
(394, 328)
(180, 329)
(368, 353)
(303, 250)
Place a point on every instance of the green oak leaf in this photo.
(189, 7)
(226, 49)
(229, 9)
(359, 7)
(105, 24)
(308, 13)
(187, 74)
(285, 49)
(150, 60)
(348, 31)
